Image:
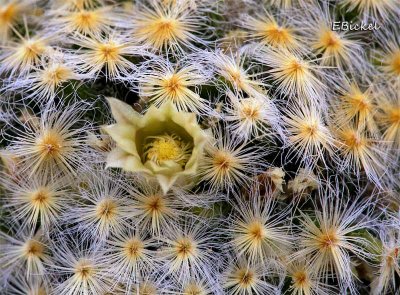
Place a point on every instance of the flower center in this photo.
(7, 13)
(107, 210)
(85, 17)
(50, 145)
(54, 76)
(40, 291)
(85, 21)
(33, 248)
(109, 51)
(165, 27)
(395, 63)
(391, 257)
(245, 277)
(295, 68)
(236, 76)
(256, 231)
(277, 35)
(250, 111)
(223, 160)
(155, 204)
(310, 130)
(173, 86)
(148, 289)
(193, 289)
(41, 197)
(300, 279)
(328, 241)
(133, 248)
(166, 147)
(352, 139)
(185, 248)
(394, 117)
(330, 40)
(32, 49)
(359, 101)
(84, 270)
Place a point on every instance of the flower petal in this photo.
(124, 136)
(122, 112)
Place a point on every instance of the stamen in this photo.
(167, 148)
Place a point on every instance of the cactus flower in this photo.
(163, 144)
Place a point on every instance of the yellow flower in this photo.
(164, 144)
